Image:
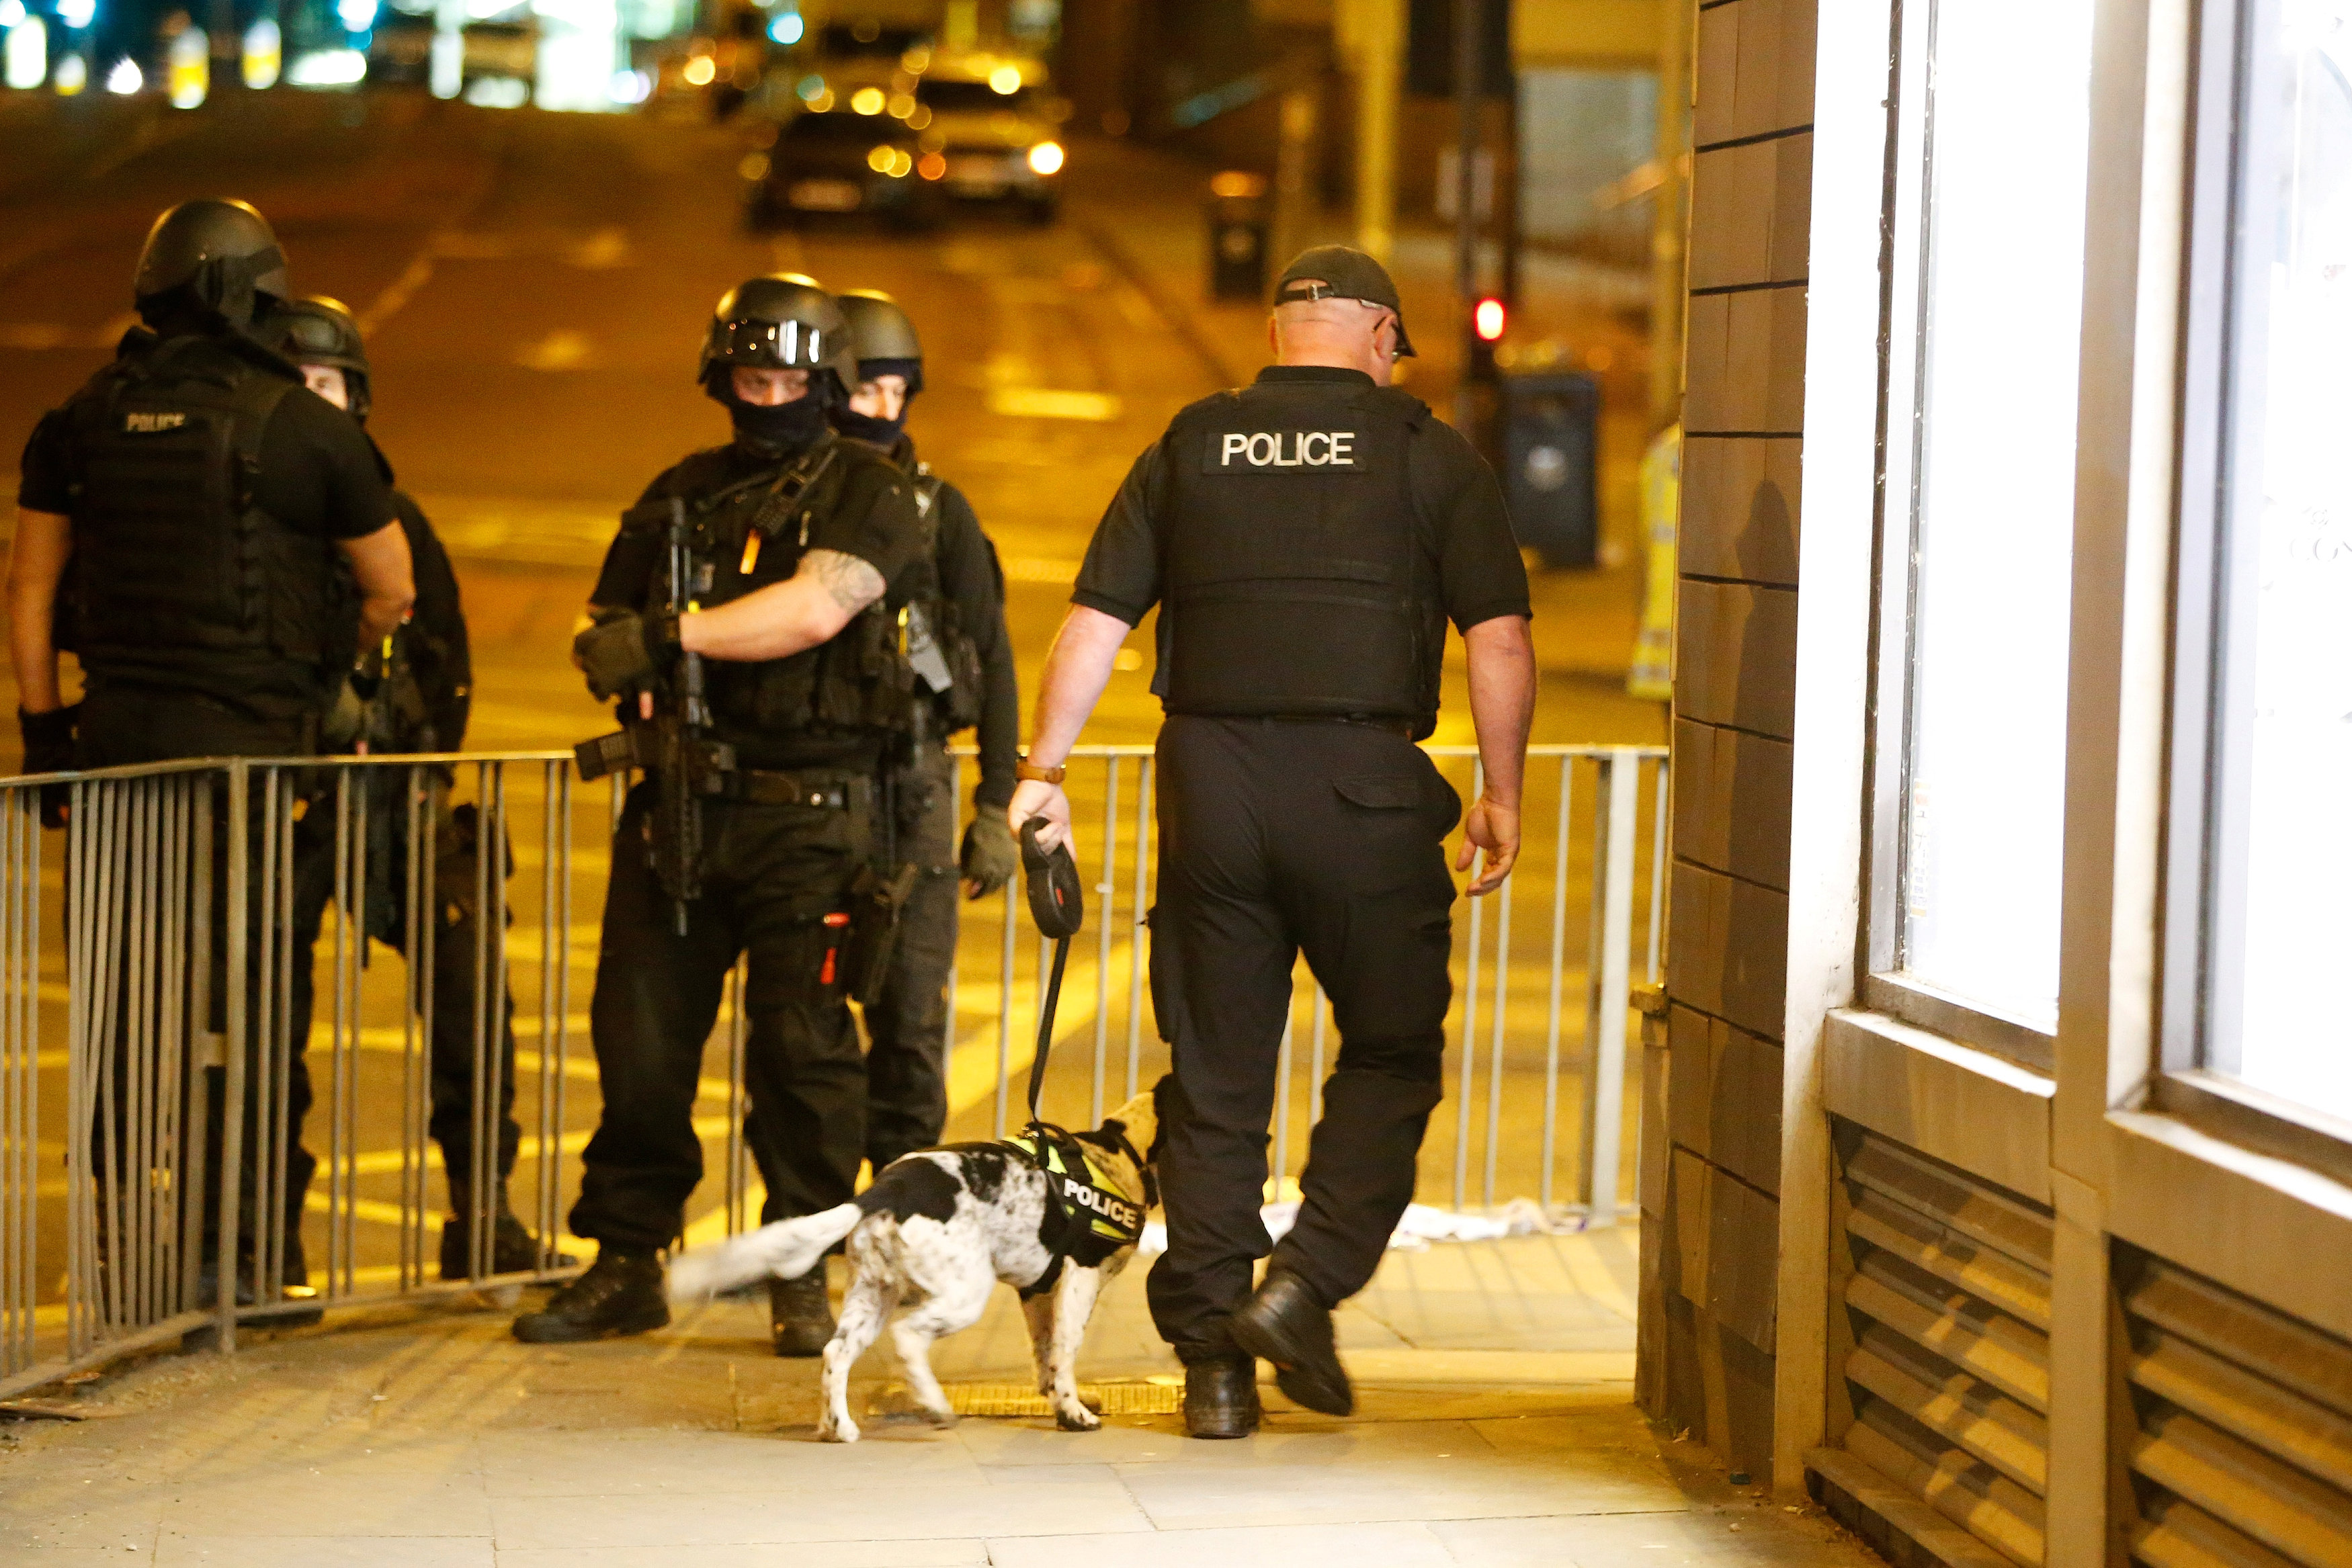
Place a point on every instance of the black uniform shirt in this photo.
(438, 649)
(1464, 528)
(859, 524)
(319, 474)
(873, 517)
(971, 576)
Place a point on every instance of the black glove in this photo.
(49, 749)
(624, 650)
(989, 855)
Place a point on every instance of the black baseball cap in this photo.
(1342, 272)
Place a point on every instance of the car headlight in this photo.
(1046, 157)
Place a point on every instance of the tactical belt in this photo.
(1403, 726)
(822, 789)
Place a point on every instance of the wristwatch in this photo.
(1024, 768)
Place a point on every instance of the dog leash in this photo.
(1058, 904)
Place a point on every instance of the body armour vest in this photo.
(940, 647)
(174, 565)
(1292, 576)
(749, 533)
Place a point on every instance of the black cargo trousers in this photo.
(1278, 836)
(772, 873)
(123, 725)
(456, 889)
(906, 1027)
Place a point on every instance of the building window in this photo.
(2267, 548)
(1980, 486)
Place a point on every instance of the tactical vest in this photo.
(1292, 571)
(940, 647)
(174, 564)
(751, 533)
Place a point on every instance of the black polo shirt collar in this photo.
(1315, 373)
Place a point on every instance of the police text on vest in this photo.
(1269, 449)
(151, 423)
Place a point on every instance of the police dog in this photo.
(935, 1232)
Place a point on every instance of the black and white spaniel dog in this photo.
(938, 1230)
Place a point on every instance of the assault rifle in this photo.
(675, 746)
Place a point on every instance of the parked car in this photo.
(500, 51)
(839, 162)
(994, 128)
(400, 50)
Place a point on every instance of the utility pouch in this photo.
(874, 901)
(605, 755)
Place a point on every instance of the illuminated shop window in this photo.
(2279, 843)
(2000, 153)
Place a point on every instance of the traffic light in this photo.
(1488, 318)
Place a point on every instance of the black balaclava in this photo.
(786, 428)
(872, 430)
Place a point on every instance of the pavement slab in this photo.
(432, 1438)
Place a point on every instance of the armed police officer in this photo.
(746, 619)
(1306, 539)
(412, 693)
(220, 539)
(963, 661)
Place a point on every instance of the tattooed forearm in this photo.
(854, 583)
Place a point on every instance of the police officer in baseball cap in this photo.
(1342, 272)
(746, 621)
(1306, 539)
(967, 681)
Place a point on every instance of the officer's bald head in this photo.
(1349, 334)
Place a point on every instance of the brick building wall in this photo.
(1714, 1227)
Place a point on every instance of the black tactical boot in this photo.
(800, 1319)
(294, 1278)
(1221, 1399)
(513, 1248)
(621, 1294)
(1286, 1325)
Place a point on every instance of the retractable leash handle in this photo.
(1058, 904)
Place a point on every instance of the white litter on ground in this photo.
(1420, 1226)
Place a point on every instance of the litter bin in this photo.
(1239, 223)
(1550, 457)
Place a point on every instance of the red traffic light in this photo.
(1487, 319)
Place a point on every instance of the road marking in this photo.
(1045, 402)
(605, 249)
(560, 350)
(455, 246)
(397, 293)
(1040, 569)
(49, 335)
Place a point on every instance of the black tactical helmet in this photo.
(317, 330)
(783, 321)
(884, 336)
(215, 255)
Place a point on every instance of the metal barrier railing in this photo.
(174, 936)
(1528, 1027)
(154, 978)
